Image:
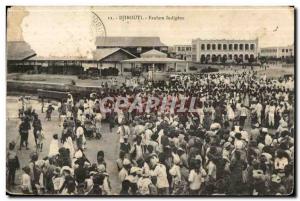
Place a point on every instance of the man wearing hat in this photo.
(283, 126)
(122, 131)
(196, 177)
(26, 184)
(255, 132)
(143, 184)
(267, 138)
(124, 172)
(147, 134)
(227, 150)
(125, 146)
(137, 149)
(153, 142)
(239, 143)
(80, 135)
(133, 178)
(175, 172)
(160, 172)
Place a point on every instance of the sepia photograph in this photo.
(150, 101)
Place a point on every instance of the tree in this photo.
(262, 60)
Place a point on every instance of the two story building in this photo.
(183, 52)
(277, 52)
(224, 51)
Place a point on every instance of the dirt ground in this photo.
(272, 71)
(109, 142)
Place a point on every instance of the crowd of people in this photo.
(239, 140)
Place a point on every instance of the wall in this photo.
(32, 87)
(197, 50)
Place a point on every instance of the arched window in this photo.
(235, 58)
(207, 57)
(213, 58)
(241, 46)
(224, 58)
(219, 58)
(241, 57)
(235, 46)
(219, 47)
(213, 46)
(246, 46)
(251, 59)
(246, 57)
(202, 58)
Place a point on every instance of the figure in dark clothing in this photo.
(80, 171)
(237, 166)
(23, 130)
(37, 126)
(97, 183)
(49, 112)
(125, 187)
(12, 164)
(111, 120)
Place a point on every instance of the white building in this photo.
(157, 64)
(229, 51)
(277, 52)
(183, 52)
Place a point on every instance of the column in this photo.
(152, 72)
(166, 67)
(187, 67)
(121, 69)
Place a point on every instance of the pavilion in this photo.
(156, 61)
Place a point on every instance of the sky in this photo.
(71, 31)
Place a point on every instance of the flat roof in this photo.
(153, 60)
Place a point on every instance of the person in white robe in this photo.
(53, 149)
(69, 145)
